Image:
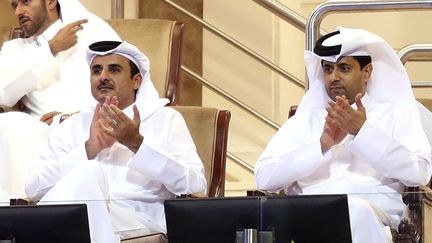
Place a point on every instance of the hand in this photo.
(66, 37)
(345, 117)
(121, 127)
(99, 139)
(331, 135)
(49, 117)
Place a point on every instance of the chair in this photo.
(209, 130)
(161, 41)
(417, 225)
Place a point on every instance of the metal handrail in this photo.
(240, 162)
(326, 8)
(237, 44)
(286, 14)
(230, 97)
(117, 9)
(416, 51)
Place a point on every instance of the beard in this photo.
(37, 22)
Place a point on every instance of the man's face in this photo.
(32, 15)
(110, 76)
(345, 78)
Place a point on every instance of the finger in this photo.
(78, 23)
(45, 117)
(114, 101)
(108, 130)
(136, 116)
(342, 101)
(119, 114)
(48, 121)
(109, 116)
(360, 106)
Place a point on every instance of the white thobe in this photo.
(135, 185)
(45, 83)
(389, 152)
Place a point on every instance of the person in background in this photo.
(124, 157)
(45, 75)
(357, 131)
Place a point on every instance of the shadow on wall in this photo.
(8, 17)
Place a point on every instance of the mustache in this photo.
(336, 83)
(23, 18)
(105, 84)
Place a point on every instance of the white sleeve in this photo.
(59, 157)
(292, 154)
(168, 155)
(22, 64)
(401, 152)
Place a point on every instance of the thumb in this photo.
(358, 102)
(136, 116)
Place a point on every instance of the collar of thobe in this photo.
(389, 81)
(49, 33)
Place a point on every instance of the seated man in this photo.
(357, 131)
(47, 71)
(123, 158)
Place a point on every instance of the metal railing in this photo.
(231, 98)
(286, 14)
(237, 44)
(117, 9)
(326, 8)
(417, 52)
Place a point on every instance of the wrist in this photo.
(136, 143)
(91, 150)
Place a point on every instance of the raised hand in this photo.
(341, 120)
(121, 127)
(331, 135)
(345, 117)
(99, 139)
(66, 37)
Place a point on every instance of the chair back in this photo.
(160, 40)
(209, 130)
(9, 33)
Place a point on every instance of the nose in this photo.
(335, 74)
(104, 75)
(19, 9)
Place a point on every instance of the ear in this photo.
(51, 4)
(367, 70)
(136, 79)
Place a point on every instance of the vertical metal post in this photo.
(117, 9)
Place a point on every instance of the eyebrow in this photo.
(113, 65)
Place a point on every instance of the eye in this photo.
(96, 70)
(344, 68)
(327, 69)
(115, 69)
(26, 2)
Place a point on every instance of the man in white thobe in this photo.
(46, 71)
(124, 157)
(357, 131)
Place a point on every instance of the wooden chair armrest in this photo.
(21, 202)
(255, 193)
(194, 195)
